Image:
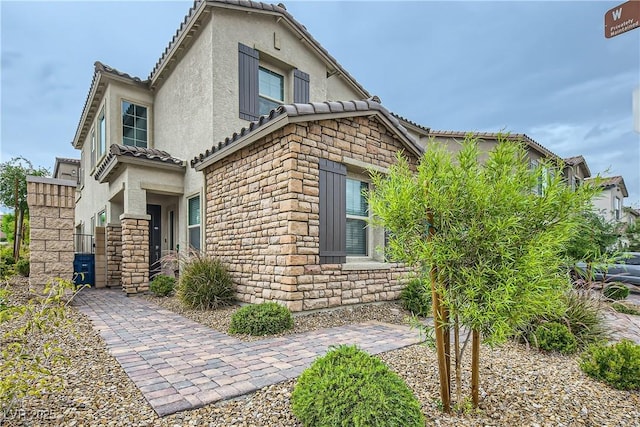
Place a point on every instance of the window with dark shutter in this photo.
(300, 87)
(333, 212)
(248, 81)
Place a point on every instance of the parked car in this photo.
(625, 270)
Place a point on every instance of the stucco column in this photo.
(51, 208)
(135, 253)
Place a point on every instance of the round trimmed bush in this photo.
(348, 387)
(162, 285)
(267, 318)
(616, 291)
(205, 284)
(416, 298)
(617, 365)
(554, 336)
(23, 267)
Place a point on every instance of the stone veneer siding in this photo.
(135, 254)
(114, 254)
(51, 212)
(262, 215)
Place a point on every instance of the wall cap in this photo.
(54, 181)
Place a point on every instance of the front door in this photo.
(155, 236)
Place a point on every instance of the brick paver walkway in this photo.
(179, 364)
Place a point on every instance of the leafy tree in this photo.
(13, 192)
(490, 247)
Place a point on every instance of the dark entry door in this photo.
(155, 236)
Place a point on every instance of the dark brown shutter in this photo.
(300, 87)
(333, 212)
(248, 78)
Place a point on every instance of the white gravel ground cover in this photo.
(518, 387)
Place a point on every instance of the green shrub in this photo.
(162, 285)
(621, 308)
(29, 349)
(22, 267)
(582, 315)
(6, 255)
(416, 297)
(348, 387)
(617, 365)
(616, 291)
(554, 336)
(261, 319)
(205, 283)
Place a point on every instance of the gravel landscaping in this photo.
(518, 387)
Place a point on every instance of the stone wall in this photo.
(262, 216)
(114, 254)
(100, 253)
(51, 212)
(135, 253)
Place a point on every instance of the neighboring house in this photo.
(68, 169)
(610, 203)
(576, 171)
(229, 63)
(488, 140)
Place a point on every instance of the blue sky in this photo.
(540, 68)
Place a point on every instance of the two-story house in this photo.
(610, 202)
(229, 63)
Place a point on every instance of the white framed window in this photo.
(102, 135)
(617, 208)
(357, 218)
(270, 90)
(102, 218)
(93, 148)
(134, 125)
(193, 223)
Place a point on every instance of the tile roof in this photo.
(494, 135)
(152, 154)
(574, 160)
(278, 9)
(578, 161)
(95, 88)
(607, 182)
(411, 122)
(67, 160)
(313, 110)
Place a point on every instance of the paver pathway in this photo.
(179, 364)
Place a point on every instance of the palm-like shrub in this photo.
(205, 283)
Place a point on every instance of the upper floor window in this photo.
(617, 208)
(261, 90)
(134, 125)
(270, 90)
(102, 135)
(102, 218)
(93, 148)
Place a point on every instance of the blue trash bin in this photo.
(84, 269)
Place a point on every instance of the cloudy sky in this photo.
(540, 68)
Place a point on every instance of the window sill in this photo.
(366, 265)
